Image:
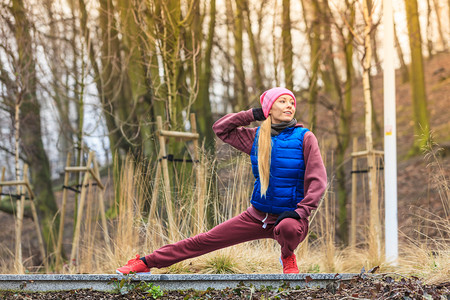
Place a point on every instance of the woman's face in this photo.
(283, 109)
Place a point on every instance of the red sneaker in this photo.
(134, 265)
(289, 264)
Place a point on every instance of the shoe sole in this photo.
(143, 273)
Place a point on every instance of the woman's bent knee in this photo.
(291, 229)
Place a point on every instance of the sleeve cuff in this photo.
(258, 114)
(301, 213)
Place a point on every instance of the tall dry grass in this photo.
(428, 254)
(140, 226)
(135, 231)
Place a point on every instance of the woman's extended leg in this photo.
(239, 229)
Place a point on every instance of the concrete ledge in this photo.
(104, 282)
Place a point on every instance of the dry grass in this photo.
(133, 230)
(134, 233)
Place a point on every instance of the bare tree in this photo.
(25, 111)
(240, 88)
(421, 122)
(203, 103)
(287, 54)
(429, 35)
(254, 50)
(401, 57)
(439, 23)
(313, 18)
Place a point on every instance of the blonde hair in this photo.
(264, 153)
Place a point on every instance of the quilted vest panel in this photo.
(287, 172)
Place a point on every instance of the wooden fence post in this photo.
(354, 191)
(62, 214)
(20, 204)
(76, 236)
(22, 186)
(102, 206)
(165, 169)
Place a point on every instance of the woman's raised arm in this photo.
(229, 129)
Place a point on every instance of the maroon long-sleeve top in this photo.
(231, 130)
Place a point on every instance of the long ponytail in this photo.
(264, 153)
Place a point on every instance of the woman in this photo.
(290, 180)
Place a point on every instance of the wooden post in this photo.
(35, 217)
(39, 235)
(21, 186)
(62, 215)
(19, 222)
(328, 228)
(95, 174)
(2, 179)
(154, 200)
(163, 164)
(375, 230)
(76, 236)
(354, 191)
(199, 182)
(165, 169)
(102, 207)
(20, 204)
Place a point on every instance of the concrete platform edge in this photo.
(105, 282)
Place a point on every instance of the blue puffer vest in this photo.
(287, 172)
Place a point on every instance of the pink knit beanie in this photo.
(270, 96)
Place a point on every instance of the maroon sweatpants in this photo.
(242, 228)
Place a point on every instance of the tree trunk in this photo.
(373, 40)
(193, 37)
(61, 101)
(448, 14)
(227, 78)
(152, 20)
(134, 67)
(107, 83)
(374, 222)
(329, 74)
(253, 51)
(203, 104)
(344, 128)
(170, 37)
(275, 46)
(401, 57)
(429, 31)
(421, 123)
(110, 80)
(79, 132)
(287, 55)
(439, 23)
(30, 126)
(240, 89)
(315, 56)
(373, 47)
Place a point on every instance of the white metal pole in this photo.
(390, 137)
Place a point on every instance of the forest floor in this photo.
(360, 287)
